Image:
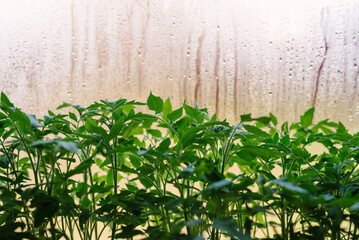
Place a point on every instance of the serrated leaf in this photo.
(193, 113)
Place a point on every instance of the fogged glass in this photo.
(233, 57)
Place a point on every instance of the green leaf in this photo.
(82, 167)
(43, 144)
(154, 132)
(256, 131)
(167, 108)
(128, 232)
(69, 146)
(264, 153)
(5, 100)
(155, 103)
(164, 145)
(219, 184)
(354, 207)
(8, 133)
(176, 114)
(289, 186)
(307, 119)
(246, 118)
(194, 113)
(33, 121)
(4, 162)
(273, 119)
(92, 127)
(16, 115)
(228, 226)
(73, 116)
(115, 129)
(46, 207)
(341, 128)
(285, 140)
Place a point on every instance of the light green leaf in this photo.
(307, 119)
(69, 146)
(273, 119)
(167, 108)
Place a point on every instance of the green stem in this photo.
(227, 148)
(114, 171)
(27, 152)
(10, 159)
(351, 172)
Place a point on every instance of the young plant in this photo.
(110, 171)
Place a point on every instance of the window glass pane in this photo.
(234, 57)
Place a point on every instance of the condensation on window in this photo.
(234, 57)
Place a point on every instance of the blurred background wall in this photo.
(234, 57)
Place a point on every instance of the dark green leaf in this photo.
(5, 100)
(256, 131)
(273, 119)
(219, 184)
(72, 116)
(92, 127)
(82, 167)
(115, 129)
(155, 103)
(289, 186)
